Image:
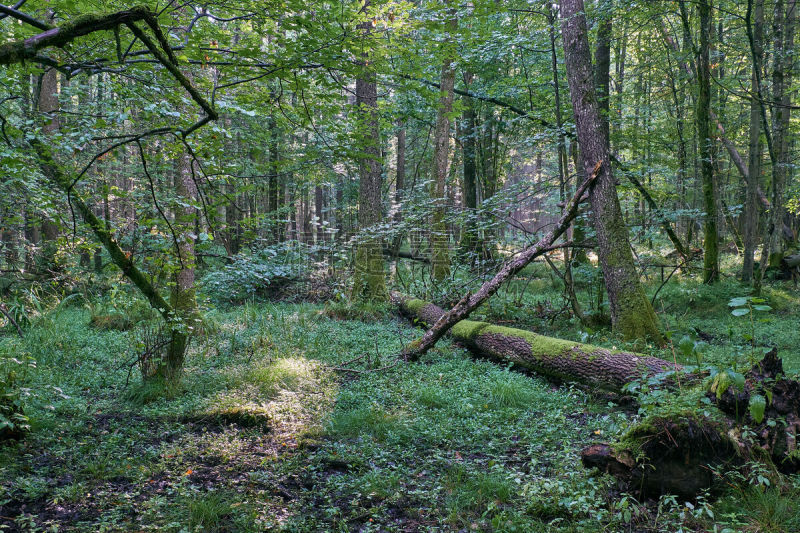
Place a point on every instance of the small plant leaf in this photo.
(721, 384)
(757, 406)
(738, 302)
(741, 311)
(762, 308)
(737, 379)
(686, 345)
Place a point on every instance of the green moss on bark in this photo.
(540, 346)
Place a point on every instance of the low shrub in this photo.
(249, 276)
(14, 370)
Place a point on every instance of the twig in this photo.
(351, 361)
(4, 310)
(652, 301)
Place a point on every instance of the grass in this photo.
(263, 435)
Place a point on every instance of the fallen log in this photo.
(555, 358)
(680, 453)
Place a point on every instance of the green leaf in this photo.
(737, 379)
(721, 384)
(757, 406)
(741, 311)
(686, 345)
(762, 308)
(738, 302)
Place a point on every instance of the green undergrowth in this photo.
(267, 432)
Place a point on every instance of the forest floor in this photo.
(265, 433)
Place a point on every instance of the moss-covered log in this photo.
(555, 358)
(676, 453)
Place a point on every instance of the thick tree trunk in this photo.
(705, 141)
(49, 107)
(659, 455)
(369, 277)
(783, 29)
(470, 242)
(751, 210)
(555, 358)
(440, 237)
(632, 314)
(678, 454)
(602, 64)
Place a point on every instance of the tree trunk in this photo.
(440, 237)
(9, 244)
(273, 185)
(660, 455)
(49, 107)
(602, 64)
(705, 141)
(783, 29)
(182, 297)
(632, 314)
(470, 241)
(751, 210)
(369, 277)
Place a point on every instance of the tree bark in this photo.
(751, 210)
(49, 107)
(679, 453)
(399, 186)
(182, 295)
(704, 139)
(440, 237)
(675, 454)
(273, 184)
(632, 314)
(369, 277)
(470, 242)
(783, 29)
(602, 75)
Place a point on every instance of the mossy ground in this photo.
(262, 434)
